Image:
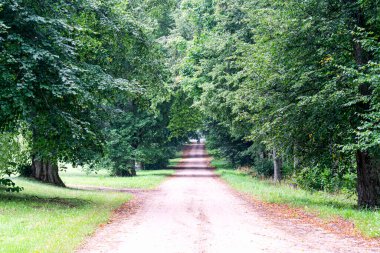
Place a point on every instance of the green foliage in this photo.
(238, 152)
(315, 179)
(324, 179)
(298, 77)
(9, 186)
(14, 154)
(185, 118)
(263, 167)
(139, 135)
(127, 82)
(45, 80)
(70, 71)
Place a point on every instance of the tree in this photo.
(297, 78)
(136, 129)
(57, 73)
(368, 153)
(274, 85)
(185, 119)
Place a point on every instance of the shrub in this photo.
(263, 167)
(14, 154)
(314, 178)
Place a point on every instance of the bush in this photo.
(160, 165)
(14, 155)
(349, 182)
(288, 169)
(263, 167)
(323, 178)
(25, 170)
(314, 178)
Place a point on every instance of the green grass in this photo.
(324, 205)
(44, 218)
(145, 179)
(175, 161)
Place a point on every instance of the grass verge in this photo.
(176, 160)
(44, 218)
(145, 179)
(323, 205)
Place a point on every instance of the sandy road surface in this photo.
(194, 211)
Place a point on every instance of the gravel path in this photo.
(194, 211)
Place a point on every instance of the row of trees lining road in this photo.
(290, 85)
(82, 82)
(288, 88)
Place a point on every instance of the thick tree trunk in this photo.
(277, 164)
(368, 167)
(368, 184)
(46, 171)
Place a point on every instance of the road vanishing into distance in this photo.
(195, 211)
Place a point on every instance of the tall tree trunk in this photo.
(46, 170)
(277, 164)
(368, 166)
(368, 184)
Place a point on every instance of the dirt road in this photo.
(194, 211)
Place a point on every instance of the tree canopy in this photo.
(293, 82)
(288, 88)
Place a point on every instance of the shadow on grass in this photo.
(36, 201)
